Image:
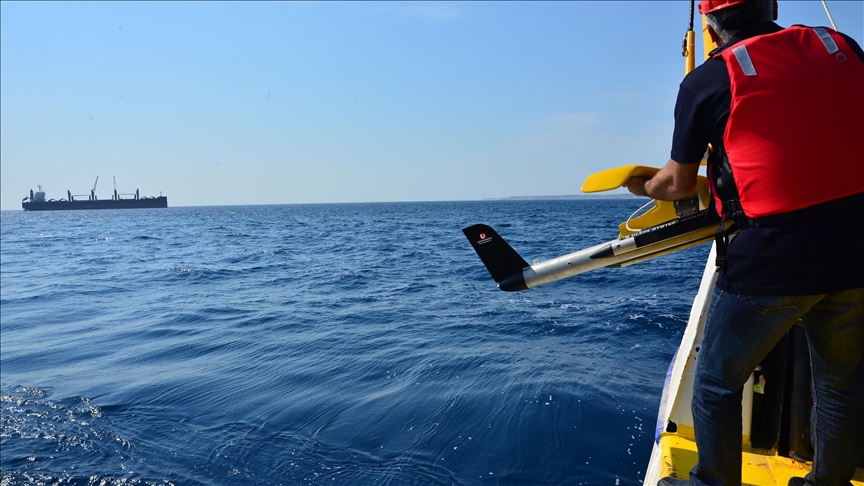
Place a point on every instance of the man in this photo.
(783, 110)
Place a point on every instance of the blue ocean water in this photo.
(348, 344)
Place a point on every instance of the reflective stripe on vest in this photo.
(826, 39)
(744, 60)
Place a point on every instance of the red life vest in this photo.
(795, 135)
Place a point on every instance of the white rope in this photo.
(627, 223)
(825, 4)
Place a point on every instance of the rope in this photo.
(693, 2)
(825, 4)
(627, 223)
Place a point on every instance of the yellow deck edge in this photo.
(760, 467)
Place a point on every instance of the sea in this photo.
(328, 344)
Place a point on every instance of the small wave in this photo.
(225, 274)
(43, 439)
(39, 479)
(180, 269)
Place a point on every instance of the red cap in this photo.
(707, 6)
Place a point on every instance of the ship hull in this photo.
(154, 202)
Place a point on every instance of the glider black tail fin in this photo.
(500, 259)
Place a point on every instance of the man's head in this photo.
(726, 17)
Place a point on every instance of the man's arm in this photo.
(673, 182)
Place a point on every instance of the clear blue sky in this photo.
(272, 103)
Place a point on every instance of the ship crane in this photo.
(118, 195)
(91, 196)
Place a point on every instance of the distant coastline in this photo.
(572, 196)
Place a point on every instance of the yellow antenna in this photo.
(707, 44)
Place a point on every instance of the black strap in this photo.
(721, 237)
(721, 240)
(810, 212)
(720, 171)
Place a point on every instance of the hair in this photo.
(726, 22)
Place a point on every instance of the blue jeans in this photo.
(739, 333)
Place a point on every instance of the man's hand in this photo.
(636, 185)
(673, 182)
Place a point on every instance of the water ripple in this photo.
(327, 344)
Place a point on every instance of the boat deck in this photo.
(760, 466)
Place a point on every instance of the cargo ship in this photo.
(36, 201)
